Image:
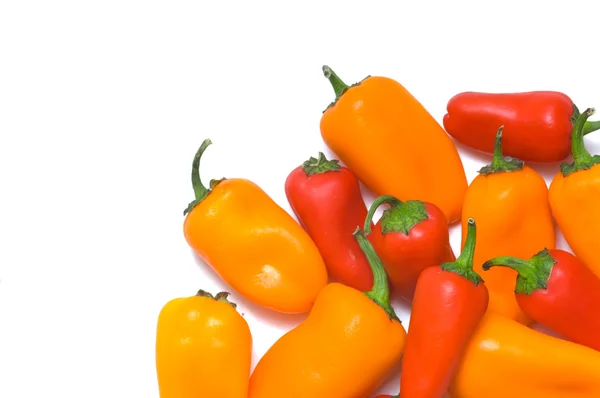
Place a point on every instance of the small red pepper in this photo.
(327, 200)
(409, 237)
(557, 290)
(450, 301)
(537, 124)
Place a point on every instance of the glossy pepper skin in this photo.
(507, 359)
(409, 237)
(393, 144)
(557, 290)
(509, 200)
(203, 348)
(450, 301)
(575, 202)
(253, 244)
(346, 347)
(537, 124)
(327, 200)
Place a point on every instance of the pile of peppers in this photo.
(473, 313)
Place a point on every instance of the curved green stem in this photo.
(499, 162)
(200, 191)
(378, 202)
(591, 126)
(533, 273)
(339, 87)
(464, 263)
(582, 160)
(380, 293)
(400, 217)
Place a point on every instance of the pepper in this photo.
(409, 237)
(450, 300)
(327, 200)
(387, 396)
(510, 202)
(393, 144)
(574, 199)
(346, 347)
(557, 290)
(252, 243)
(537, 124)
(203, 348)
(507, 359)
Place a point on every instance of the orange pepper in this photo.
(393, 144)
(575, 199)
(253, 244)
(203, 348)
(507, 359)
(509, 200)
(345, 348)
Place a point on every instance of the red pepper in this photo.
(450, 301)
(557, 290)
(537, 124)
(387, 396)
(327, 200)
(409, 237)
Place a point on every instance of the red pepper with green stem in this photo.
(450, 301)
(409, 237)
(327, 200)
(537, 124)
(557, 290)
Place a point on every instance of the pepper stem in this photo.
(591, 126)
(400, 217)
(200, 191)
(320, 165)
(378, 202)
(499, 162)
(339, 87)
(533, 273)
(221, 296)
(464, 263)
(380, 292)
(582, 160)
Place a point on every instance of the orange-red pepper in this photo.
(253, 244)
(509, 200)
(345, 348)
(203, 348)
(393, 144)
(575, 200)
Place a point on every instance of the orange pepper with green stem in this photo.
(393, 144)
(575, 199)
(346, 347)
(509, 200)
(253, 243)
(203, 348)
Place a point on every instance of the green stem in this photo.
(339, 87)
(380, 293)
(320, 165)
(533, 273)
(580, 153)
(499, 162)
(464, 263)
(582, 160)
(200, 191)
(590, 127)
(378, 202)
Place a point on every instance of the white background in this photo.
(103, 104)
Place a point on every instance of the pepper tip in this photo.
(326, 71)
